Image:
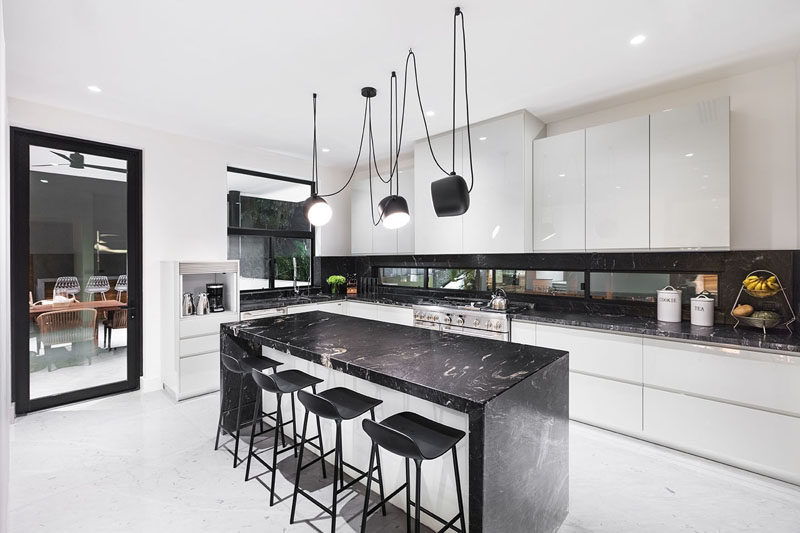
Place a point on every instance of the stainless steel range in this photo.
(464, 318)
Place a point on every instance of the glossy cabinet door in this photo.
(690, 176)
(360, 218)
(405, 235)
(434, 235)
(494, 221)
(559, 187)
(618, 185)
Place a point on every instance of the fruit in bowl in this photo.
(766, 315)
(756, 283)
(743, 310)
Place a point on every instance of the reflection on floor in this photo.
(66, 369)
(138, 462)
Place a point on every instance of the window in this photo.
(403, 277)
(267, 230)
(465, 279)
(554, 283)
(639, 286)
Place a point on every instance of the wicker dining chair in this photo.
(117, 319)
(67, 327)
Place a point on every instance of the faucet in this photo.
(294, 276)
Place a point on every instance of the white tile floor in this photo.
(138, 462)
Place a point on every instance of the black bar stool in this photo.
(241, 368)
(280, 383)
(335, 404)
(414, 437)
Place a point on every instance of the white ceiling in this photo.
(243, 71)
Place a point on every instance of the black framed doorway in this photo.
(76, 269)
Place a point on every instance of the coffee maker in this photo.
(214, 291)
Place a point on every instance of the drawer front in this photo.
(261, 313)
(748, 438)
(605, 403)
(205, 325)
(332, 307)
(197, 345)
(524, 333)
(601, 354)
(304, 308)
(199, 374)
(768, 381)
(396, 315)
(362, 310)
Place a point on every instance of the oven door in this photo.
(496, 335)
(427, 325)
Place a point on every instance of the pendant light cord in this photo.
(458, 13)
(358, 156)
(314, 170)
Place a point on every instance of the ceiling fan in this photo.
(76, 160)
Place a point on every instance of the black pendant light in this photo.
(393, 208)
(317, 210)
(450, 194)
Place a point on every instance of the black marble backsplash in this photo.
(731, 268)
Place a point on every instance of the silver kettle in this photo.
(499, 301)
(188, 304)
(203, 307)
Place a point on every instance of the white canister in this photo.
(668, 307)
(702, 310)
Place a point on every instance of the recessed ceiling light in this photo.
(44, 181)
(482, 138)
(430, 113)
(326, 149)
(690, 154)
(400, 171)
(639, 39)
(94, 89)
(666, 110)
(561, 175)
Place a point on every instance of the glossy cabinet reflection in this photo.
(360, 219)
(434, 235)
(618, 185)
(559, 181)
(690, 176)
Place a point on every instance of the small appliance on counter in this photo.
(187, 307)
(703, 309)
(668, 308)
(215, 294)
(202, 304)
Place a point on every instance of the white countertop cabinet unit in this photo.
(690, 176)
(618, 185)
(559, 193)
(190, 344)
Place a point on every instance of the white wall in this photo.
(184, 196)
(764, 148)
(5, 321)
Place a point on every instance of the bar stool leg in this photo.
(417, 503)
(369, 482)
(280, 422)
(252, 436)
(219, 423)
(294, 428)
(238, 422)
(275, 455)
(408, 497)
(319, 432)
(299, 467)
(380, 471)
(458, 490)
(341, 456)
(336, 459)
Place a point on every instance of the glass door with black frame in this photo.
(78, 277)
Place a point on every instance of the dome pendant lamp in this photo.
(316, 209)
(451, 194)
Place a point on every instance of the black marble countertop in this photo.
(778, 339)
(457, 371)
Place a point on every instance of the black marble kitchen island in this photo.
(513, 399)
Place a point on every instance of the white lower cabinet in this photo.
(396, 315)
(199, 374)
(754, 439)
(362, 310)
(338, 308)
(523, 333)
(605, 402)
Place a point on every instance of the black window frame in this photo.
(234, 231)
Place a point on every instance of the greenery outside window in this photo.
(267, 229)
(465, 279)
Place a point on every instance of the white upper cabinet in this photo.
(559, 192)
(434, 235)
(384, 241)
(405, 235)
(618, 185)
(360, 218)
(690, 176)
(495, 220)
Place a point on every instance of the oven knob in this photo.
(477, 322)
(489, 324)
(460, 321)
(447, 319)
(436, 318)
(498, 326)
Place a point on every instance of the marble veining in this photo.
(457, 371)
